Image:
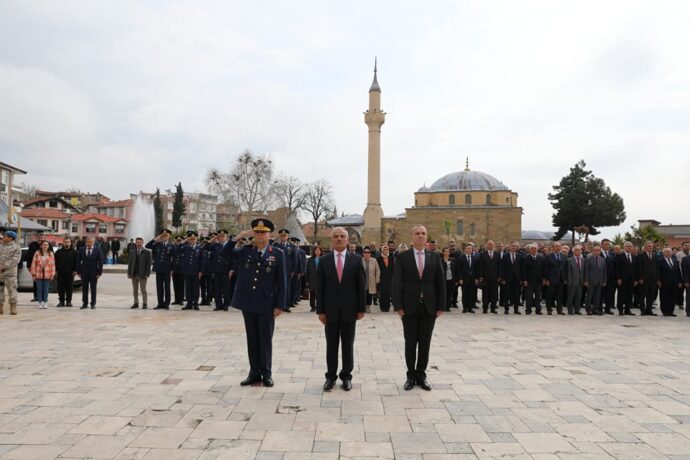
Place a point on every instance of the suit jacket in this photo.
(408, 289)
(489, 267)
(626, 271)
(468, 271)
(386, 273)
(576, 274)
(648, 269)
(91, 265)
(595, 271)
(509, 271)
(340, 300)
(312, 279)
(610, 262)
(533, 269)
(685, 268)
(453, 268)
(144, 264)
(669, 276)
(556, 269)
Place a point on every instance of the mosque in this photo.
(464, 205)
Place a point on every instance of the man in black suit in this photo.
(511, 278)
(419, 297)
(685, 270)
(556, 276)
(340, 299)
(468, 269)
(626, 279)
(648, 270)
(489, 263)
(89, 269)
(533, 279)
(608, 290)
(669, 282)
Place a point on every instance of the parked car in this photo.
(26, 283)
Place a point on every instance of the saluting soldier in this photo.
(190, 266)
(290, 262)
(261, 295)
(177, 275)
(219, 267)
(163, 252)
(300, 270)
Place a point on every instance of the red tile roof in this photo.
(48, 213)
(101, 217)
(114, 204)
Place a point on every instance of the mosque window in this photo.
(460, 227)
(451, 200)
(468, 200)
(488, 198)
(473, 230)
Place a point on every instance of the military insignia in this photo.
(268, 269)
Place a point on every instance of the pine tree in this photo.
(178, 206)
(158, 211)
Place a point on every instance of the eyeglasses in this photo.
(367, 252)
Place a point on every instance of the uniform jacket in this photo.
(162, 254)
(217, 262)
(10, 255)
(409, 290)
(41, 271)
(144, 261)
(596, 270)
(340, 300)
(290, 254)
(261, 279)
(90, 265)
(188, 258)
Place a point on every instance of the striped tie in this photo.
(420, 264)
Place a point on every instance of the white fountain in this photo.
(142, 223)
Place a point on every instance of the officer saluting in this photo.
(190, 265)
(163, 251)
(261, 294)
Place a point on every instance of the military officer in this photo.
(291, 262)
(177, 275)
(219, 267)
(261, 295)
(300, 270)
(190, 266)
(163, 252)
(206, 280)
(10, 255)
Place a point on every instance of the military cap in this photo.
(262, 225)
(167, 230)
(222, 231)
(294, 239)
(192, 233)
(283, 231)
(11, 234)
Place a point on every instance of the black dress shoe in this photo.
(93, 307)
(136, 305)
(196, 308)
(538, 312)
(145, 306)
(60, 304)
(409, 384)
(217, 309)
(158, 307)
(672, 314)
(517, 312)
(250, 381)
(187, 308)
(287, 310)
(424, 384)
(347, 385)
(268, 382)
(328, 384)
(83, 307)
(629, 313)
(69, 304)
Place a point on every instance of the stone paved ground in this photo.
(116, 383)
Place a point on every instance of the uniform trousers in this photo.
(221, 290)
(163, 288)
(418, 329)
(191, 288)
(178, 287)
(259, 329)
(339, 334)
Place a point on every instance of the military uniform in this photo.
(219, 266)
(291, 265)
(190, 265)
(177, 276)
(10, 255)
(163, 254)
(261, 287)
(206, 280)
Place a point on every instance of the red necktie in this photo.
(339, 267)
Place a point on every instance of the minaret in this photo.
(374, 118)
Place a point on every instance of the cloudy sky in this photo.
(124, 96)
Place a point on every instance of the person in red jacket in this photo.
(43, 271)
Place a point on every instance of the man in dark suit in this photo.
(685, 270)
(163, 252)
(489, 263)
(556, 276)
(576, 279)
(139, 270)
(669, 282)
(511, 278)
(533, 279)
(261, 294)
(419, 297)
(648, 270)
(608, 291)
(595, 280)
(468, 264)
(626, 276)
(115, 248)
(89, 269)
(340, 300)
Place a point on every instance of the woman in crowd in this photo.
(373, 275)
(43, 271)
(450, 274)
(312, 266)
(386, 264)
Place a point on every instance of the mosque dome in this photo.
(466, 180)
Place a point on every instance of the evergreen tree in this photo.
(584, 200)
(178, 206)
(158, 212)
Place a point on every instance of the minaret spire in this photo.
(375, 84)
(374, 118)
(467, 163)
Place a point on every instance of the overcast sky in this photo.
(124, 96)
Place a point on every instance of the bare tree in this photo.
(318, 201)
(290, 193)
(248, 184)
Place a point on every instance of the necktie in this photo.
(629, 259)
(339, 267)
(491, 254)
(578, 263)
(88, 253)
(558, 257)
(512, 258)
(420, 264)
(469, 261)
(670, 264)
